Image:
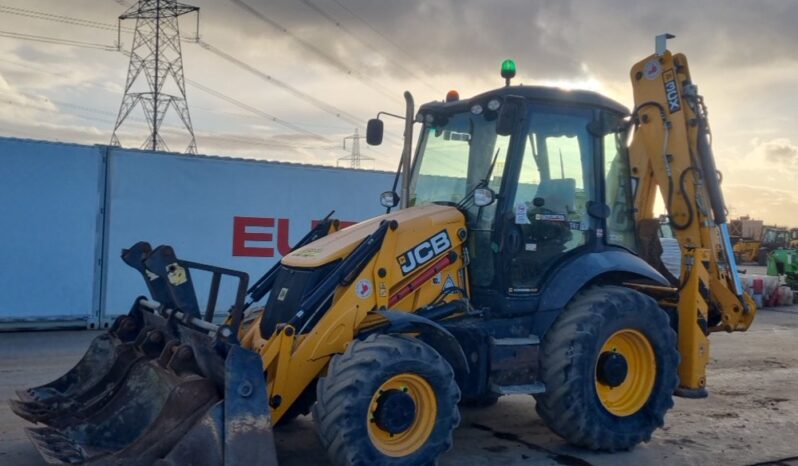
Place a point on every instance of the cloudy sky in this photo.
(314, 70)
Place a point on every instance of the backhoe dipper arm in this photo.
(671, 149)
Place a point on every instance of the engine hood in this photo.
(414, 220)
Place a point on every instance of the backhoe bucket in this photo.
(161, 387)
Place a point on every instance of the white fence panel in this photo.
(50, 200)
(233, 213)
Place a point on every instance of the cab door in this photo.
(546, 213)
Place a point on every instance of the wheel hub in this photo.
(626, 372)
(396, 411)
(612, 369)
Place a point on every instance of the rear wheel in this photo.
(610, 366)
(388, 400)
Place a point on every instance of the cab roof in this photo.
(535, 93)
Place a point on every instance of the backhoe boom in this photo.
(671, 150)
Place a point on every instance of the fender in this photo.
(431, 333)
(571, 277)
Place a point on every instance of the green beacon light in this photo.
(508, 70)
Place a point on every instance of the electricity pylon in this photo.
(156, 54)
(355, 157)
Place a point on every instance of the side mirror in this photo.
(389, 199)
(374, 132)
(512, 110)
(484, 197)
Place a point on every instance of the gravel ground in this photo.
(750, 417)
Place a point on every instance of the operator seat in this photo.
(542, 241)
(559, 196)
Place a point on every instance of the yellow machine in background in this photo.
(511, 267)
(746, 234)
(767, 239)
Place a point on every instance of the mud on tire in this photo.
(343, 410)
(569, 356)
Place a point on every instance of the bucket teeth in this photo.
(36, 412)
(55, 447)
(157, 388)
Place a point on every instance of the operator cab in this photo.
(558, 165)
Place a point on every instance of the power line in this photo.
(260, 142)
(375, 30)
(27, 65)
(201, 87)
(253, 110)
(71, 20)
(59, 18)
(58, 41)
(317, 51)
(142, 123)
(338, 113)
(324, 106)
(365, 43)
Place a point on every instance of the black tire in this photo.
(344, 400)
(569, 357)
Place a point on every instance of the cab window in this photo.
(550, 205)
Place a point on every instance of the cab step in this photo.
(522, 341)
(526, 389)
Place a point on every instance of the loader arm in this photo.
(671, 151)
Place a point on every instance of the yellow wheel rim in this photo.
(633, 392)
(412, 438)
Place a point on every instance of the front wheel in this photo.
(388, 400)
(610, 366)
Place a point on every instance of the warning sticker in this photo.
(521, 217)
(308, 252)
(652, 69)
(550, 217)
(364, 288)
(449, 283)
(282, 294)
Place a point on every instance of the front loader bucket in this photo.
(161, 387)
(176, 417)
(96, 377)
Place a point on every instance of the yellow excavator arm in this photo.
(671, 151)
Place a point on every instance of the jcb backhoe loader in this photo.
(510, 268)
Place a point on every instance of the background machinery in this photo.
(784, 262)
(746, 237)
(753, 241)
(773, 238)
(511, 268)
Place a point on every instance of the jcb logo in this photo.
(424, 252)
(672, 92)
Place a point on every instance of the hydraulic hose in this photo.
(666, 125)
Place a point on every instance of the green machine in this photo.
(784, 262)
